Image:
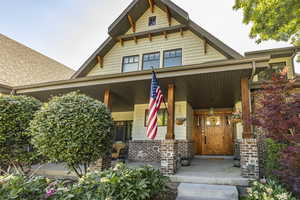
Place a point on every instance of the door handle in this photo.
(204, 139)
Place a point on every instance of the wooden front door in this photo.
(213, 134)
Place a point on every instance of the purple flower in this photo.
(50, 192)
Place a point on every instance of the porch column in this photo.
(171, 108)
(107, 98)
(245, 91)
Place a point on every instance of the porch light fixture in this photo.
(211, 111)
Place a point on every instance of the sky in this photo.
(69, 31)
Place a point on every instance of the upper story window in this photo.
(173, 58)
(130, 63)
(152, 21)
(268, 73)
(151, 60)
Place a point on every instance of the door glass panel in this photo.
(213, 121)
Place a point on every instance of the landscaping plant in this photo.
(278, 115)
(73, 129)
(16, 112)
(271, 190)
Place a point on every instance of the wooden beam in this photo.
(151, 5)
(107, 98)
(100, 61)
(171, 111)
(181, 32)
(132, 23)
(135, 40)
(205, 46)
(166, 34)
(150, 37)
(121, 41)
(169, 16)
(245, 92)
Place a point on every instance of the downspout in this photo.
(253, 70)
(293, 64)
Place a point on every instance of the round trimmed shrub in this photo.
(73, 129)
(16, 112)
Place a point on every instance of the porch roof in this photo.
(204, 85)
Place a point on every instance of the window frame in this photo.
(123, 59)
(165, 121)
(150, 54)
(155, 19)
(164, 63)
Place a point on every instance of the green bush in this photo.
(16, 112)
(273, 153)
(18, 187)
(120, 183)
(272, 190)
(73, 129)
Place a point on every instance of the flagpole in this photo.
(163, 95)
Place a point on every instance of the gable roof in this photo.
(20, 65)
(136, 9)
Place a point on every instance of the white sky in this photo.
(69, 31)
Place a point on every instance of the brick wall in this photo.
(249, 158)
(149, 151)
(144, 150)
(169, 154)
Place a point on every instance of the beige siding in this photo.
(192, 47)
(238, 128)
(122, 116)
(161, 21)
(189, 121)
(139, 129)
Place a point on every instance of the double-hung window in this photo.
(151, 60)
(130, 63)
(173, 58)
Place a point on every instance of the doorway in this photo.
(213, 132)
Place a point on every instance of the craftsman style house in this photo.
(204, 82)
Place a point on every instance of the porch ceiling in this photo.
(219, 90)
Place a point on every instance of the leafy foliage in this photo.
(271, 190)
(273, 154)
(18, 187)
(15, 115)
(272, 19)
(278, 115)
(73, 129)
(114, 184)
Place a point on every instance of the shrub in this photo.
(19, 187)
(271, 190)
(15, 115)
(73, 129)
(273, 153)
(118, 183)
(115, 184)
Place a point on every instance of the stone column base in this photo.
(169, 151)
(249, 158)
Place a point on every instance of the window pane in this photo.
(130, 67)
(136, 59)
(151, 60)
(162, 117)
(172, 62)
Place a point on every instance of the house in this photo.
(20, 65)
(204, 81)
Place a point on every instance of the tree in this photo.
(73, 129)
(272, 19)
(16, 112)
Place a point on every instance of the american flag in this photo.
(156, 98)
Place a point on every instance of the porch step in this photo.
(214, 157)
(230, 181)
(189, 191)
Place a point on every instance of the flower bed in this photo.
(114, 184)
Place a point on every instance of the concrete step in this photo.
(214, 157)
(189, 191)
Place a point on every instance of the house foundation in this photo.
(169, 155)
(249, 158)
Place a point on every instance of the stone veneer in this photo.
(101, 164)
(249, 158)
(169, 154)
(149, 150)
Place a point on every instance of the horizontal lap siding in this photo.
(139, 130)
(192, 46)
